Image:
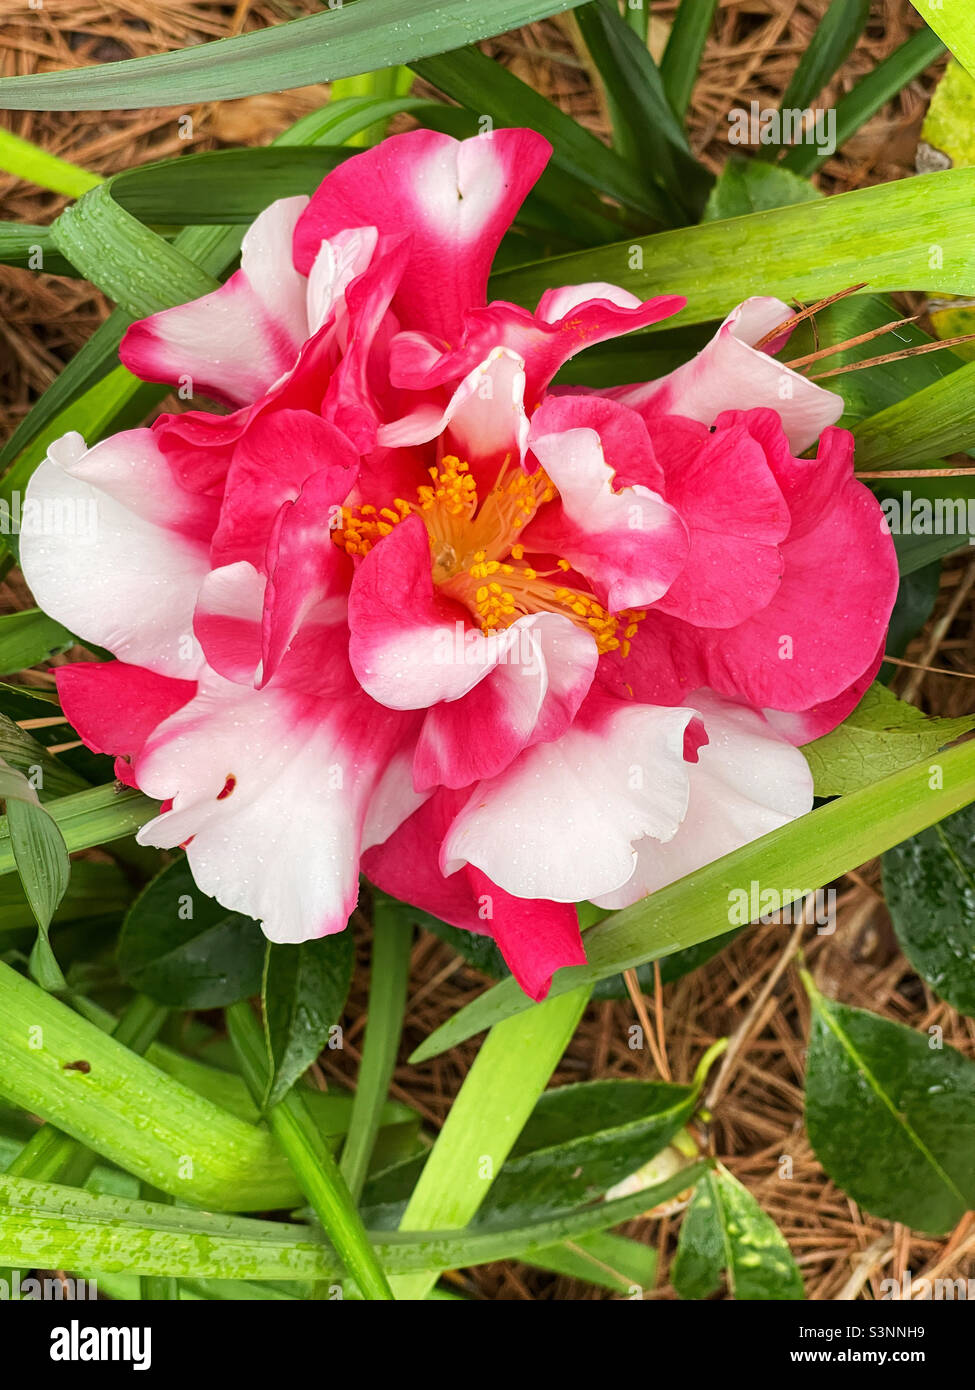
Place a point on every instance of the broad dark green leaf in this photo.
(304, 993)
(340, 42)
(726, 1229)
(578, 1142)
(891, 1116)
(917, 594)
(880, 736)
(746, 186)
(929, 884)
(183, 949)
(29, 637)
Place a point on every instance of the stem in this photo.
(392, 942)
(313, 1165)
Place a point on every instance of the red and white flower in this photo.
(407, 607)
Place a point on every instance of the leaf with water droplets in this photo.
(929, 884)
(726, 1229)
(891, 1115)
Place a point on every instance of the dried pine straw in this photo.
(757, 1114)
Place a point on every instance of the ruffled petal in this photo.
(544, 668)
(234, 343)
(562, 820)
(745, 782)
(629, 542)
(729, 373)
(457, 198)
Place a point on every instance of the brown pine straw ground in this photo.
(752, 991)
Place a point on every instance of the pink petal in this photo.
(628, 542)
(621, 770)
(457, 198)
(724, 487)
(545, 665)
(271, 790)
(536, 937)
(234, 343)
(730, 374)
(227, 621)
(277, 453)
(115, 707)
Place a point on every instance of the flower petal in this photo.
(457, 197)
(234, 343)
(562, 820)
(729, 373)
(746, 781)
(545, 665)
(629, 542)
(116, 550)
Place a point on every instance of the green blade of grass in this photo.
(340, 42)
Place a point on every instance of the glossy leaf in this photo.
(304, 992)
(724, 1228)
(929, 884)
(880, 736)
(746, 186)
(954, 23)
(30, 637)
(183, 949)
(891, 1116)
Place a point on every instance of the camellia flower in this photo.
(407, 607)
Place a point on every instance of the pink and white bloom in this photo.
(409, 608)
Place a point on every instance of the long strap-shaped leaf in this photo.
(954, 22)
(45, 1225)
(797, 858)
(882, 235)
(347, 39)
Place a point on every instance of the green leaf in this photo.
(26, 160)
(929, 884)
(682, 56)
(647, 133)
(866, 97)
(45, 1225)
(578, 1141)
(954, 23)
(930, 424)
(881, 235)
(32, 248)
(726, 1229)
(389, 973)
(891, 1116)
(340, 42)
(499, 1092)
(183, 949)
(612, 1262)
(882, 735)
(800, 857)
(746, 186)
(304, 993)
(917, 594)
(30, 637)
(42, 864)
(89, 818)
